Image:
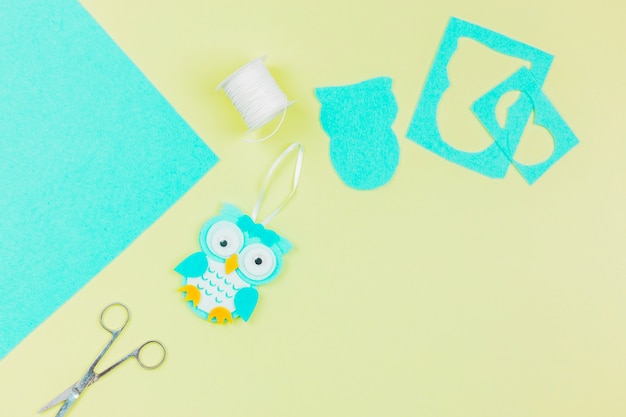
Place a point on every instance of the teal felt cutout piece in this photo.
(193, 266)
(92, 154)
(245, 302)
(509, 137)
(364, 150)
(423, 129)
(237, 257)
(268, 237)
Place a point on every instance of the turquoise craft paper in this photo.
(90, 155)
(364, 149)
(509, 137)
(423, 128)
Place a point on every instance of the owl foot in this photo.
(220, 314)
(193, 293)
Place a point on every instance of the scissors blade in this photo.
(71, 400)
(63, 396)
(59, 398)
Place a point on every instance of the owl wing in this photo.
(193, 266)
(245, 302)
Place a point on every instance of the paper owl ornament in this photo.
(238, 255)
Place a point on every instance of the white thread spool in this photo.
(256, 96)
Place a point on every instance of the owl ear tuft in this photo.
(230, 210)
(284, 245)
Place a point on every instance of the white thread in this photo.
(256, 96)
(268, 176)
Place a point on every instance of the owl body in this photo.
(217, 289)
(237, 255)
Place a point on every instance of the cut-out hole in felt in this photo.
(536, 145)
(472, 70)
(507, 100)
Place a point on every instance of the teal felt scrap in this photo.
(90, 156)
(508, 137)
(423, 128)
(364, 150)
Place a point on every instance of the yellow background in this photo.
(443, 293)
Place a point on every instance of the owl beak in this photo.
(232, 263)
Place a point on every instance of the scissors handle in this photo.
(137, 354)
(147, 365)
(116, 329)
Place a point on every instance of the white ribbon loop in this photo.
(268, 177)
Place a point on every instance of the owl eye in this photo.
(224, 239)
(258, 261)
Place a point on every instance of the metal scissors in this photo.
(71, 394)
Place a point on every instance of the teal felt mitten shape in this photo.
(363, 148)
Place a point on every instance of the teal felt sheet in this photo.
(90, 155)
